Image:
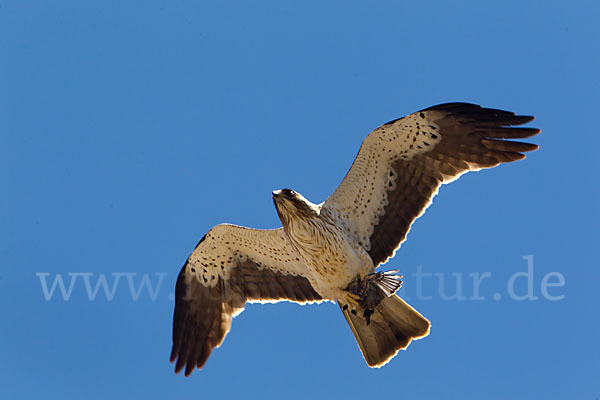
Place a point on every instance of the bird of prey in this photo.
(329, 251)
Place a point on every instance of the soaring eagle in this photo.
(329, 251)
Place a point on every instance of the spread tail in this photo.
(393, 325)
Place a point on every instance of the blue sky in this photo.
(131, 128)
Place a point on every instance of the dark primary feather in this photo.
(203, 315)
(472, 138)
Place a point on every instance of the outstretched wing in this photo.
(401, 165)
(230, 266)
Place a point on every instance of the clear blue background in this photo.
(128, 129)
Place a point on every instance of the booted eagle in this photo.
(329, 251)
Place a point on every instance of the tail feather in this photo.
(394, 324)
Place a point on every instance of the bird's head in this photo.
(291, 205)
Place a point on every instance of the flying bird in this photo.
(329, 251)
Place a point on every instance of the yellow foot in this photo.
(352, 302)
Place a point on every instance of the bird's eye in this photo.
(289, 193)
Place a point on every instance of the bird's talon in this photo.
(352, 300)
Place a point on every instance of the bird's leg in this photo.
(352, 302)
(372, 289)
